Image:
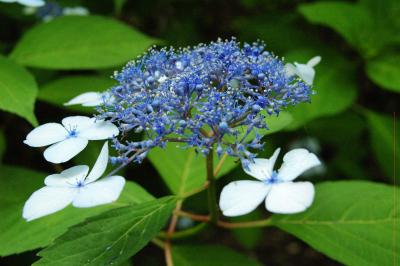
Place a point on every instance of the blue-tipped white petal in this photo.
(68, 177)
(261, 169)
(47, 200)
(289, 197)
(100, 130)
(87, 99)
(242, 197)
(46, 134)
(65, 150)
(100, 165)
(100, 192)
(296, 162)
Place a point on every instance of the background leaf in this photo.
(385, 71)
(62, 90)
(351, 221)
(17, 184)
(18, 90)
(80, 42)
(111, 237)
(384, 142)
(212, 255)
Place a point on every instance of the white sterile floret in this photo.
(75, 186)
(305, 71)
(91, 99)
(32, 3)
(69, 138)
(281, 195)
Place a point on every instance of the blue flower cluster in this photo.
(209, 97)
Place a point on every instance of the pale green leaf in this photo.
(384, 137)
(183, 170)
(17, 184)
(210, 255)
(350, 221)
(62, 90)
(111, 237)
(385, 71)
(18, 90)
(80, 42)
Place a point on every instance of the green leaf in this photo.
(384, 142)
(18, 90)
(183, 170)
(109, 238)
(211, 255)
(350, 221)
(334, 84)
(80, 42)
(360, 24)
(385, 71)
(248, 238)
(17, 184)
(62, 90)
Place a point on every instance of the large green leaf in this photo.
(385, 71)
(62, 90)
(80, 42)
(384, 142)
(353, 222)
(18, 90)
(111, 237)
(360, 24)
(334, 85)
(16, 185)
(184, 170)
(210, 255)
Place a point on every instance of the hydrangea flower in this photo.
(211, 96)
(90, 99)
(305, 71)
(31, 3)
(75, 186)
(70, 137)
(281, 195)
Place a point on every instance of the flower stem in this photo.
(211, 191)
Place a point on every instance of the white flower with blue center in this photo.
(91, 99)
(305, 71)
(69, 138)
(75, 186)
(281, 195)
(32, 3)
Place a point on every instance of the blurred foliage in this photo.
(351, 121)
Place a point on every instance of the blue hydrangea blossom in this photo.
(209, 97)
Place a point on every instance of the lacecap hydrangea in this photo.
(210, 96)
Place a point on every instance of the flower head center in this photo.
(273, 179)
(72, 132)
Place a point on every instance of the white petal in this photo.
(46, 134)
(47, 200)
(78, 123)
(100, 130)
(306, 73)
(65, 150)
(87, 99)
(290, 70)
(33, 3)
(314, 61)
(262, 168)
(68, 177)
(289, 197)
(100, 192)
(296, 162)
(100, 165)
(241, 197)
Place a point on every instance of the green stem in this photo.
(184, 233)
(211, 191)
